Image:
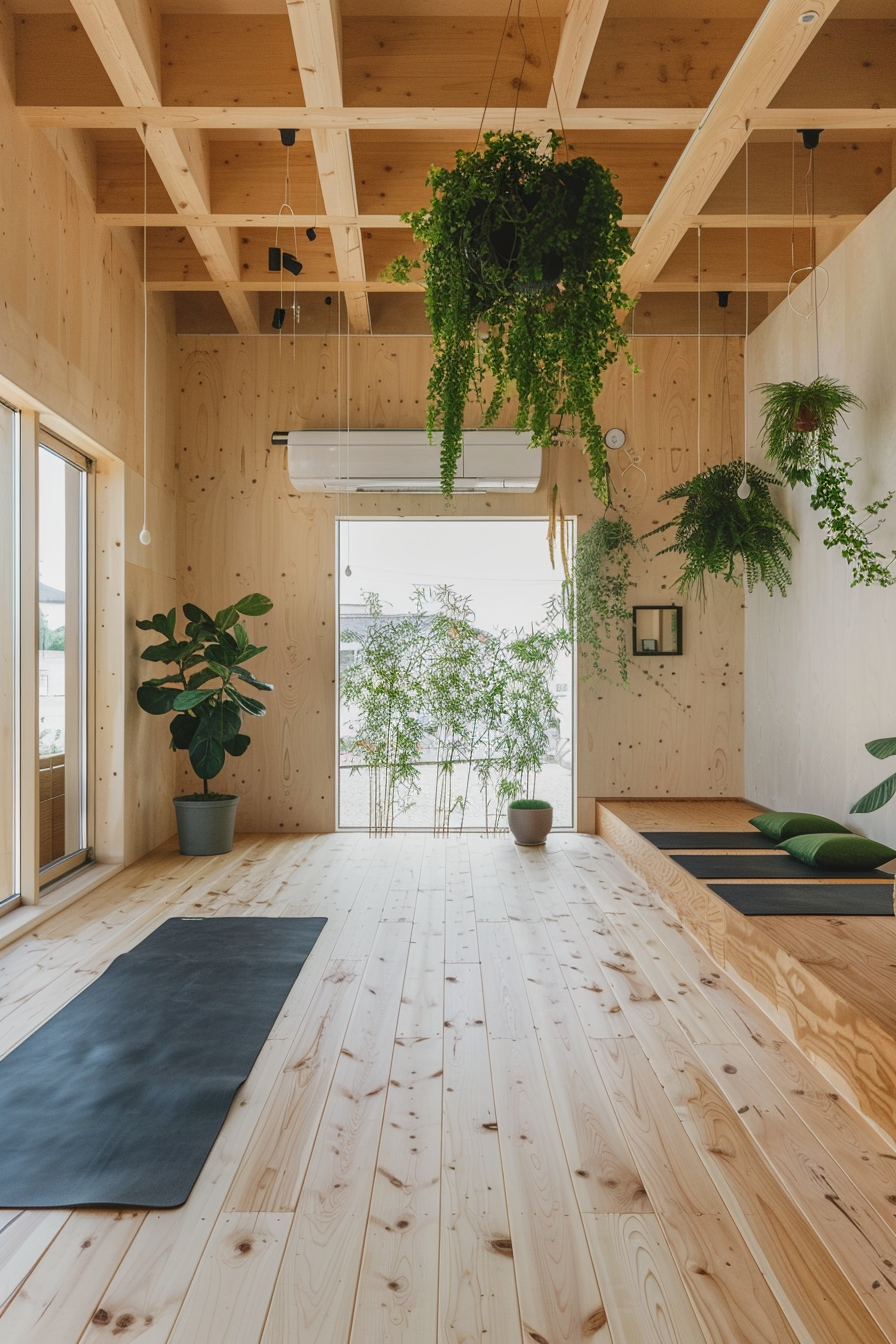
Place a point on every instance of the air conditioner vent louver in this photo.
(404, 461)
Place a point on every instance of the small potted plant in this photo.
(202, 695)
(530, 820)
(799, 422)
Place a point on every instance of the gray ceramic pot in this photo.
(530, 820)
(205, 825)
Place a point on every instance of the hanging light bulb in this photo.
(145, 537)
(348, 571)
(744, 490)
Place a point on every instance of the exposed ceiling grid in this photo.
(658, 90)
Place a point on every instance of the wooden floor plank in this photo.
(560, 1298)
(644, 1295)
(315, 1293)
(62, 1293)
(24, 1237)
(229, 1296)
(398, 1292)
(477, 1285)
(728, 1290)
(271, 1171)
(461, 943)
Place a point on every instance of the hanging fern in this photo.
(598, 595)
(720, 534)
(521, 260)
(800, 420)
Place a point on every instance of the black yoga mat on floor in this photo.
(118, 1099)
(771, 866)
(807, 898)
(709, 840)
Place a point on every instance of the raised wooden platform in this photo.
(829, 982)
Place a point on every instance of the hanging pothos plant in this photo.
(741, 540)
(597, 598)
(800, 420)
(521, 257)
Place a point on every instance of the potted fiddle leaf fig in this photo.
(207, 692)
(521, 265)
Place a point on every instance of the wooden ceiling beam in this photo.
(317, 35)
(769, 55)
(126, 39)
(577, 119)
(349, 287)
(577, 41)
(757, 220)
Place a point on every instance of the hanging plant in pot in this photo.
(597, 596)
(208, 708)
(722, 534)
(521, 259)
(799, 423)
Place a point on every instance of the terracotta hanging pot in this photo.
(806, 420)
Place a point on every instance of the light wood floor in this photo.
(508, 1100)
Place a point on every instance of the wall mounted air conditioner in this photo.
(404, 460)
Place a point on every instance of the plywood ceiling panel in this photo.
(378, 97)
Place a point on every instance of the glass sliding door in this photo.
(9, 657)
(62, 658)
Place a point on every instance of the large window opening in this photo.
(62, 658)
(456, 675)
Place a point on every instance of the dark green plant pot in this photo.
(205, 825)
(530, 820)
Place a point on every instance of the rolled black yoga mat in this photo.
(709, 840)
(772, 866)
(118, 1099)
(807, 898)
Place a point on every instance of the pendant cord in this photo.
(747, 283)
(145, 537)
(348, 450)
(553, 85)
(699, 344)
(491, 81)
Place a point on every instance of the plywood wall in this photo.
(819, 670)
(242, 526)
(71, 347)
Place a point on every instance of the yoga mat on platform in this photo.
(709, 839)
(807, 898)
(118, 1099)
(772, 866)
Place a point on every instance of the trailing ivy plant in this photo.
(598, 595)
(521, 256)
(718, 533)
(800, 420)
(881, 748)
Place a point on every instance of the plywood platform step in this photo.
(829, 982)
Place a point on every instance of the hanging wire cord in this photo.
(743, 489)
(145, 535)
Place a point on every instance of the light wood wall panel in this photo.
(820, 663)
(71, 347)
(242, 526)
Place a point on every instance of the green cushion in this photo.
(838, 851)
(783, 825)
